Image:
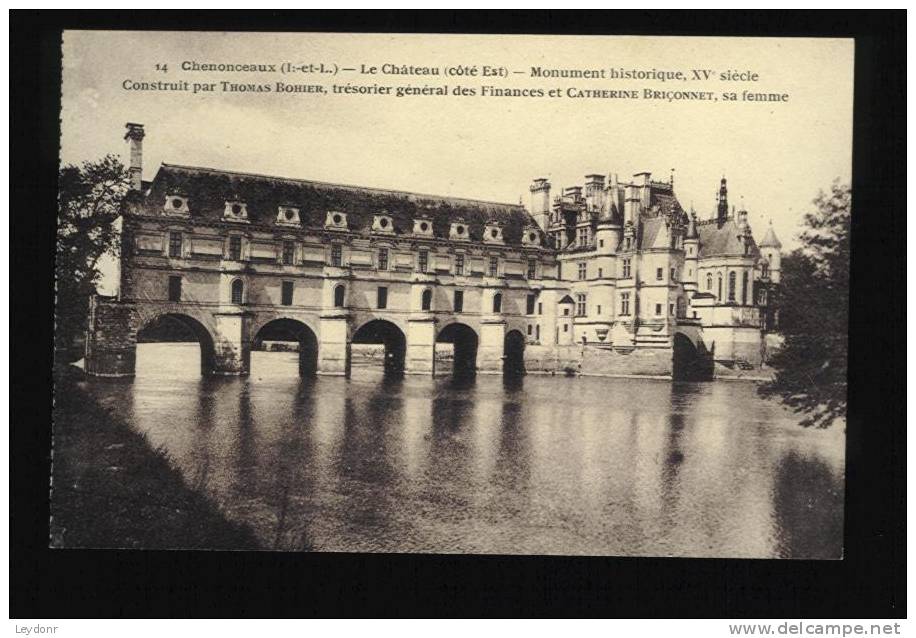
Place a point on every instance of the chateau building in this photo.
(620, 279)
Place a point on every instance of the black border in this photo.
(869, 583)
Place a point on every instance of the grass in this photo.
(110, 488)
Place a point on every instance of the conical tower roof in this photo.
(769, 239)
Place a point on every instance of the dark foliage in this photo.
(88, 205)
(814, 315)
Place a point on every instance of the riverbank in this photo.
(112, 488)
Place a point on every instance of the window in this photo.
(600, 243)
(580, 305)
(286, 294)
(719, 292)
(744, 288)
(659, 273)
(658, 309)
(731, 285)
(427, 299)
(336, 255)
(383, 259)
(529, 305)
(671, 309)
(565, 327)
(626, 244)
(583, 270)
(708, 282)
(583, 236)
(540, 308)
(681, 307)
(537, 332)
(626, 268)
(289, 251)
(459, 264)
(459, 301)
(762, 297)
(530, 329)
(238, 288)
(497, 303)
(235, 248)
(624, 303)
(339, 292)
(600, 273)
(381, 300)
(765, 270)
(532, 268)
(174, 244)
(494, 266)
(423, 261)
(174, 288)
(673, 274)
(598, 310)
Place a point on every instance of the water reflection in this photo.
(484, 464)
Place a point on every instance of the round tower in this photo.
(770, 250)
(691, 254)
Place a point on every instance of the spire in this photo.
(692, 225)
(769, 239)
(722, 211)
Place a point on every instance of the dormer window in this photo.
(236, 210)
(493, 233)
(288, 216)
(423, 226)
(382, 223)
(336, 220)
(176, 204)
(459, 230)
(530, 236)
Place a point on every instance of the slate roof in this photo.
(208, 190)
(720, 241)
(769, 239)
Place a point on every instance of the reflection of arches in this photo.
(427, 300)
(238, 291)
(690, 363)
(514, 353)
(384, 332)
(173, 327)
(464, 340)
(339, 292)
(292, 330)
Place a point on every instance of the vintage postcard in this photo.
(478, 294)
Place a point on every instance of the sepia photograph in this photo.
(542, 295)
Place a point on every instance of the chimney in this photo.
(594, 192)
(540, 202)
(135, 134)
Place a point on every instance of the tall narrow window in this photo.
(336, 255)
(580, 305)
(658, 309)
(339, 292)
(744, 288)
(383, 259)
(709, 282)
(381, 301)
(235, 248)
(731, 285)
(238, 289)
(626, 268)
(532, 268)
(459, 264)
(719, 291)
(423, 261)
(529, 305)
(286, 294)
(174, 244)
(624, 303)
(673, 274)
(497, 303)
(459, 301)
(289, 251)
(494, 266)
(659, 273)
(583, 270)
(427, 300)
(537, 332)
(174, 288)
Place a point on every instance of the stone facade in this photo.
(607, 279)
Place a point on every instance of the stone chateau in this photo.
(613, 277)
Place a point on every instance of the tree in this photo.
(814, 315)
(88, 205)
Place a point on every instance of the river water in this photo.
(540, 465)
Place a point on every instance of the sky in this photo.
(776, 156)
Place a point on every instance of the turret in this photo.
(540, 202)
(722, 200)
(769, 250)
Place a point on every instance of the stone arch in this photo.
(514, 353)
(382, 331)
(286, 329)
(690, 360)
(465, 341)
(162, 322)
